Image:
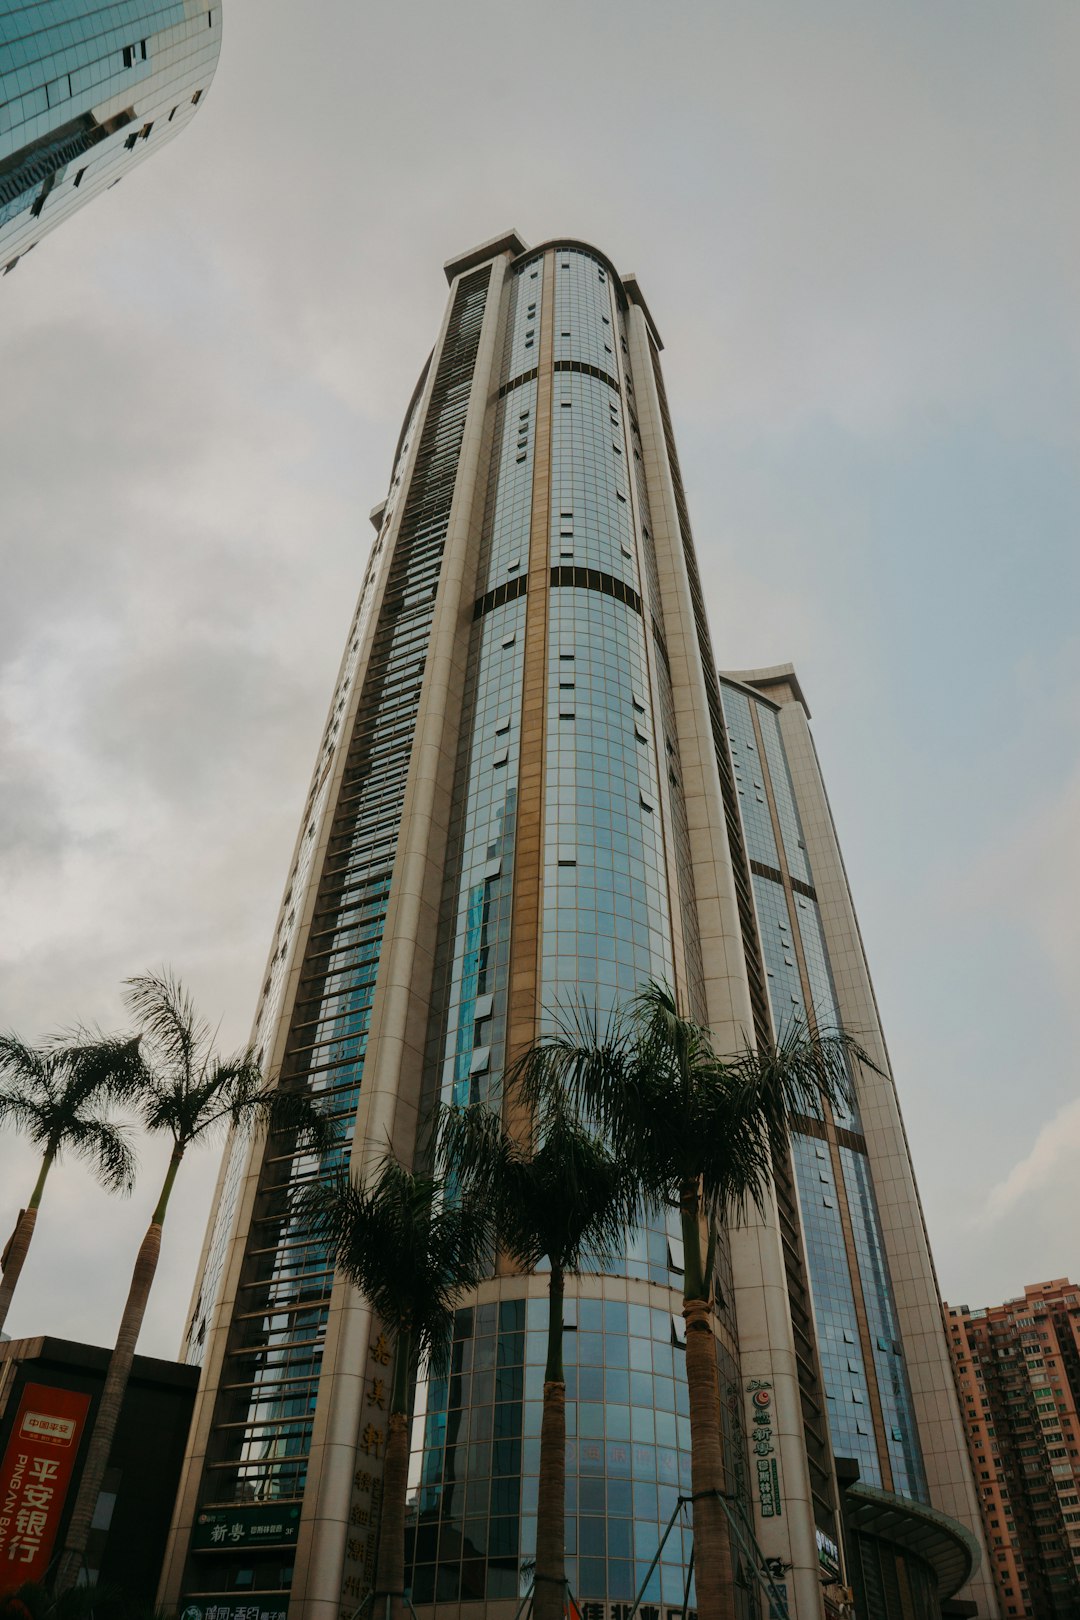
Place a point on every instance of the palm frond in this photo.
(23, 1112)
(563, 1194)
(678, 1114)
(409, 1249)
(106, 1148)
(295, 1112)
(167, 1017)
(802, 1072)
(20, 1062)
(54, 1095)
(192, 1094)
(100, 1067)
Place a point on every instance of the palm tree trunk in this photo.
(550, 1577)
(390, 1569)
(712, 1547)
(19, 1243)
(112, 1395)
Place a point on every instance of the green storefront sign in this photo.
(249, 1526)
(234, 1609)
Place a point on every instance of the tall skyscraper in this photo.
(533, 786)
(1017, 1368)
(89, 88)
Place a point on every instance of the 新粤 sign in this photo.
(34, 1478)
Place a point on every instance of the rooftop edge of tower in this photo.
(770, 675)
(514, 243)
(509, 242)
(634, 294)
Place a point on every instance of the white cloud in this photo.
(1047, 1171)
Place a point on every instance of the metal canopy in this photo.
(950, 1550)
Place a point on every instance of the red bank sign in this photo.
(34, 1479)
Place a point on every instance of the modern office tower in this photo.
(1017, 1369)
(89, 88)
(524, 795)
(883, 1358)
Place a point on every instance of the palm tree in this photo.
(191, 1095)
(559, 1195)
(411, 1251)
(700, 1132)
(56, 1096)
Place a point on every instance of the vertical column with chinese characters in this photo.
(362, 1544)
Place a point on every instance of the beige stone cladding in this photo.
(911, 1265)
(388, 1108)
(766, 1343)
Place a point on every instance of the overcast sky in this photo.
(857, 228)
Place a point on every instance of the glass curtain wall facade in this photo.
(866, 1385)
(524, 797)
(88, 88)
(868, 1263)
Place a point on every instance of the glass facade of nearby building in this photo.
(870, 1411)
(88, 88)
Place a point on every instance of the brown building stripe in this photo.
(526, 917)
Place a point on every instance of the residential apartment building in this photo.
(1017, 1370)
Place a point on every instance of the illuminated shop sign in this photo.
(34, 1479)
(261, 1526)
